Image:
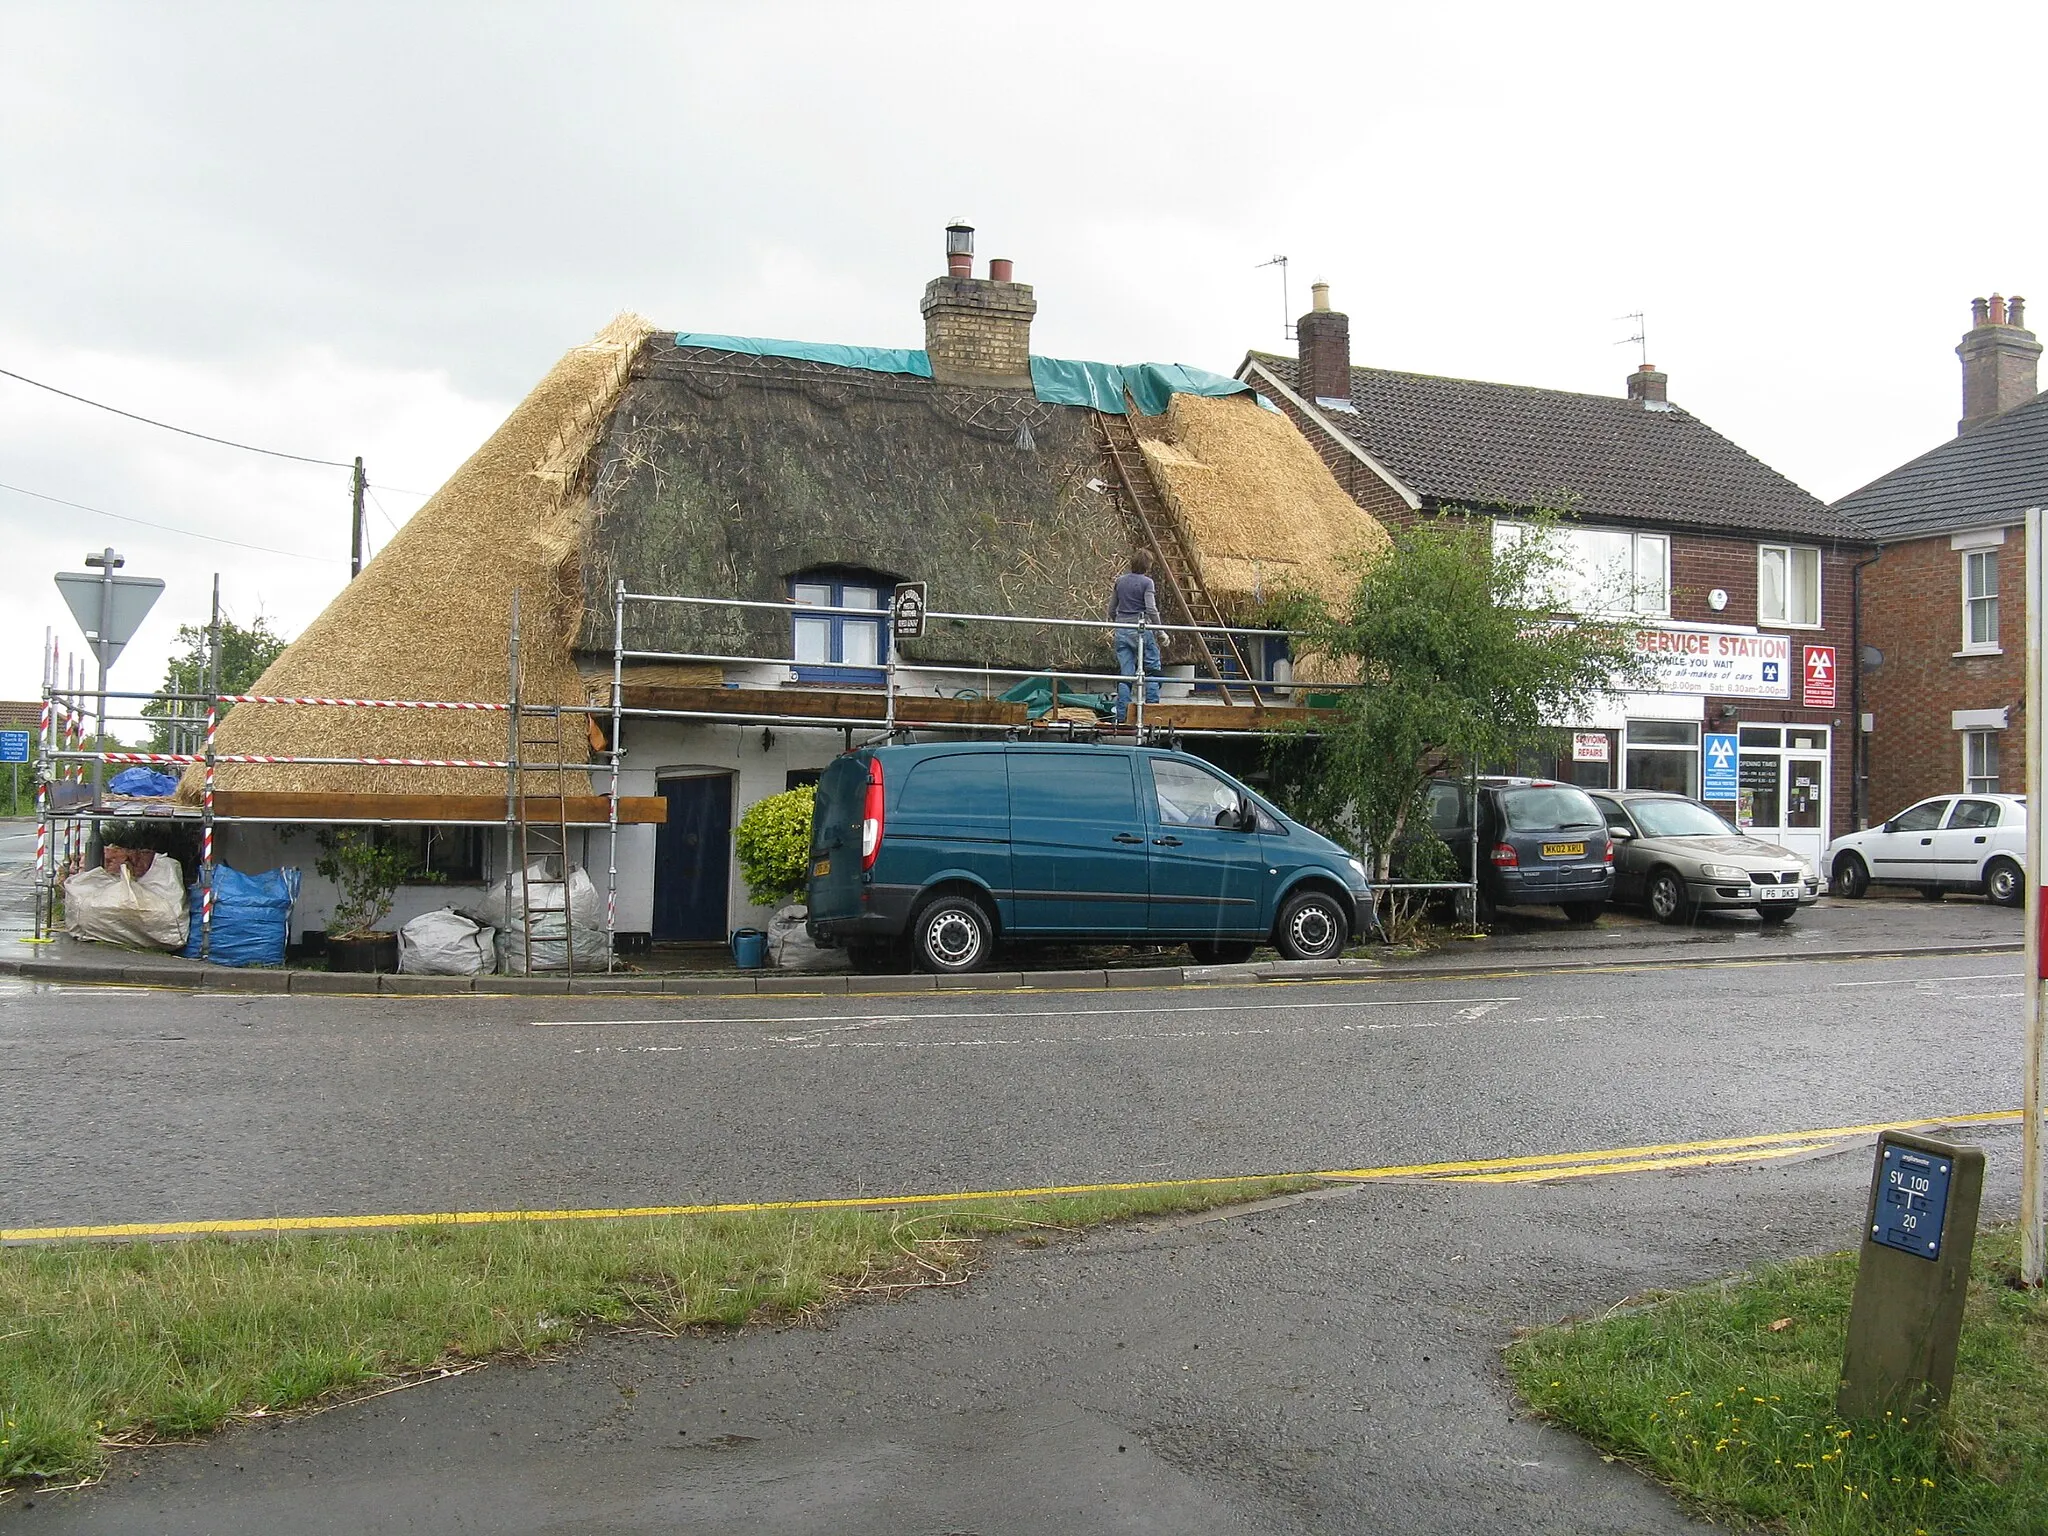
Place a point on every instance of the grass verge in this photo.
(104, 1346)
(1727, 1395)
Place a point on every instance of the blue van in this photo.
(951, 846)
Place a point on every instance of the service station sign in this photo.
(1723, 663)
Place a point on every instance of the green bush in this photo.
(774, 842)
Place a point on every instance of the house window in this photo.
(438, 853)
(1980, 762)
(1788, 586)
(1663, 754)
(840, 647)
(1601, 570)
(1980, 600)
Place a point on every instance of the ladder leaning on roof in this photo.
(1170, 554)
(537, 726)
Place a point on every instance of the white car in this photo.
(1947, 843)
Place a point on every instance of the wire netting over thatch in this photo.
(1263, 512)
(430, 617)
(725, 483)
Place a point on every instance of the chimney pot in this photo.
(2001, 361)
(1319, 295)
(1000, 269)
(977, 332)
(959, 249)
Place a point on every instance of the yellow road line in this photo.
(1501, 1170)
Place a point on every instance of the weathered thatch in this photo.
(1260, 510)
(721, 484)
(430, 617)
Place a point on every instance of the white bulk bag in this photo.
(791, 948)
(444, 943)
(149, 913)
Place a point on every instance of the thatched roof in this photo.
(689, 471)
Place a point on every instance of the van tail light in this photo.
(1504, 857)
(871, 817)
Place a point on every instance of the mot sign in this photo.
(1820, 677)
(906, 611)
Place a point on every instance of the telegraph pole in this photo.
(357, 485)
(2033, 1198)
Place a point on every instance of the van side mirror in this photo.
(1247, 819)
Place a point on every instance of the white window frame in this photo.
(1653, 549)
(1790, 554)
(1971, 600)
(1980, 783)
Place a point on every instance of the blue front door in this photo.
(693, 860)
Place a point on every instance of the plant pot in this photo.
(369, 953)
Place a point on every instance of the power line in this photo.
(142, 522)
(380, 509)
(98, 405)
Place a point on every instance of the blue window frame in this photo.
(840, 647)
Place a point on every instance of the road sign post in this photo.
(1911, 1277)
(109, 609)
(2033, 1211)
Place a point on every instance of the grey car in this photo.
(1676, 857)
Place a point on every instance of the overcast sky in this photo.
(334, 230)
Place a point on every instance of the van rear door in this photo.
(1078, 846)
(835, 837)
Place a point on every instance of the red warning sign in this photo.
(1820, 677)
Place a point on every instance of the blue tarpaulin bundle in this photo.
(252, 916)
(143, 781)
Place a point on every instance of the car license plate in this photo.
(1564, 850)
(1778, 892)
(822, 868)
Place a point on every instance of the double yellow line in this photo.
(1496, 1170)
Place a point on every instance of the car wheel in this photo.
(952, 935)
(1225, 952)
(1851, 879)
(1931, 893)
(2002, 883)
(1584, 912)
(1313, 926)
(1665, 894)
(1774, 917)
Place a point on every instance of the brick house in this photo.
(1943, 605)
(1742, 580)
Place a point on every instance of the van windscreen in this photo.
(1548, 808)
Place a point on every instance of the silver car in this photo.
(1676, 857)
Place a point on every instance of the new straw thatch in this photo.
(430, 617)
(1260, 510)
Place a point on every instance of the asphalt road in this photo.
(1327, 1364)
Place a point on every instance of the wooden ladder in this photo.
(539, 730)
(1218, 652)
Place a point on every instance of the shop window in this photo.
(844, 647)
(1980, 600)
(1663, 754)
(1601, 570)
(1980, 762)
(1788, 585)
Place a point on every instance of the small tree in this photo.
(244, 654)
(1464, 657)
(366, 876)
(774, 843)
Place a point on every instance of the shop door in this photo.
(1783, 777)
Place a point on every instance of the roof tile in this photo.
(1982, 479)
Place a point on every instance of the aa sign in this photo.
(1820, 676)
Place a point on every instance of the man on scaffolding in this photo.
(1132, 602)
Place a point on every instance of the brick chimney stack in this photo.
(977, 330)
(2001, 360)
(1324, 339)
(1647, 387)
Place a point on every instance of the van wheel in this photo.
(1225, 952)
(952, 935)
(1312, 926)
(2003, 885)
(1852, 877)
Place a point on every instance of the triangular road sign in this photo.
(127, 605)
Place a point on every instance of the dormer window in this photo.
(841, 647)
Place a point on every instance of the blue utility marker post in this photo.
(1911, 1277)
(1718, 756)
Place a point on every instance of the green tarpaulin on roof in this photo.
(1036, 695)
(1055, 380)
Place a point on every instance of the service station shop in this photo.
(1742, 719)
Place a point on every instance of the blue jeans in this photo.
(1127, 663)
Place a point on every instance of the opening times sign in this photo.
(1713, 661)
